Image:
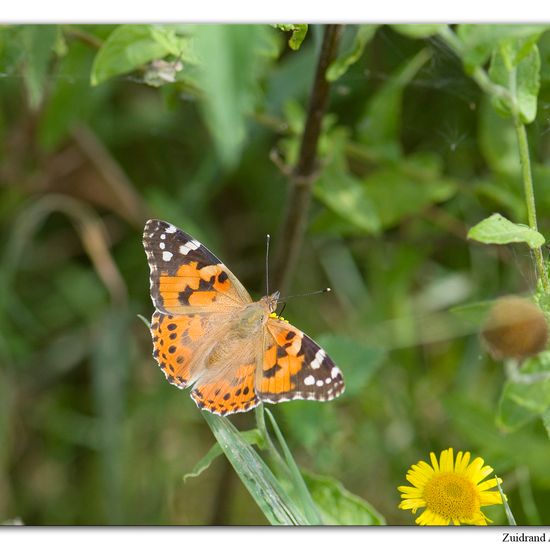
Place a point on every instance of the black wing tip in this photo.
(154, 223)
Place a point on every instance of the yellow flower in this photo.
(451, 490)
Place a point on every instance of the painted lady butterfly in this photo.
(207, 332)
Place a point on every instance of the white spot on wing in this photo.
(162, 246)
(187, 247)
(319, 357)
(320, 383)
(335, 372)
(309, 380)
(171, 229)
(167, 256)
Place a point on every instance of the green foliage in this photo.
(229, 63)
(129, 47)
(478, 42)
(525, 399)
(383, 113)
(298, 35)
(344, 193)
(429, 130)
(337, 505)
(418, 31)
(516, 65)
(253, 437)
(268, 493)
(496, 229)
(38, 43)
(362, 37)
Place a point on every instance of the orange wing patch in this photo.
(174, 338)
(193, 286)
(229, 395)
(295, 367)
(281, 361)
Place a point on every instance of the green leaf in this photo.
(298, 34)
(175, 44)
(517, 67)
(496, 229)
(298, 483)
(253, 437)
(521, 402)
(264, 488)
(38, 43)
(479, 41)
(233, 58)
(129, 47)
(337, 505)
(380, 128)
(339, 66)
(498, 141)
(110, 368)
(407, 188)
(546, 420)
(343, 193)
(71, 101)
(417, 31)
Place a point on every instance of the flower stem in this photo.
(527, 177)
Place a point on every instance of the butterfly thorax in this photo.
(243, 327)
(250, 319)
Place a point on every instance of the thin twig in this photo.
(305, 171)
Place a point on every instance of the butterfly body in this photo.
(208, 333)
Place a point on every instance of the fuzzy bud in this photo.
(515, 328)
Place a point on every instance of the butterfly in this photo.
(210, 335)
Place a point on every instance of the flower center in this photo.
(451, 495)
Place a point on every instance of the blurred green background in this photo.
(102, 127)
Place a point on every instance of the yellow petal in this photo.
(434, 462)
(489, 484)
(490, 497)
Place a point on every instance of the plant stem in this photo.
(303, 175)
(483, 80)
(525, 162)
(479, 75)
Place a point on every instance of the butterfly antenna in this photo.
(328, 289)
(268, 237)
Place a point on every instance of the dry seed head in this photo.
(515, 328)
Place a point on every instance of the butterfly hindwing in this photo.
(228, 395)
(176, 339)
(295, 367)
(185, 275)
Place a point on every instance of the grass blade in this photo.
(268, 493)
(509, 515)
(310, 510)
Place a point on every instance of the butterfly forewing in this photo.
(185, 275)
